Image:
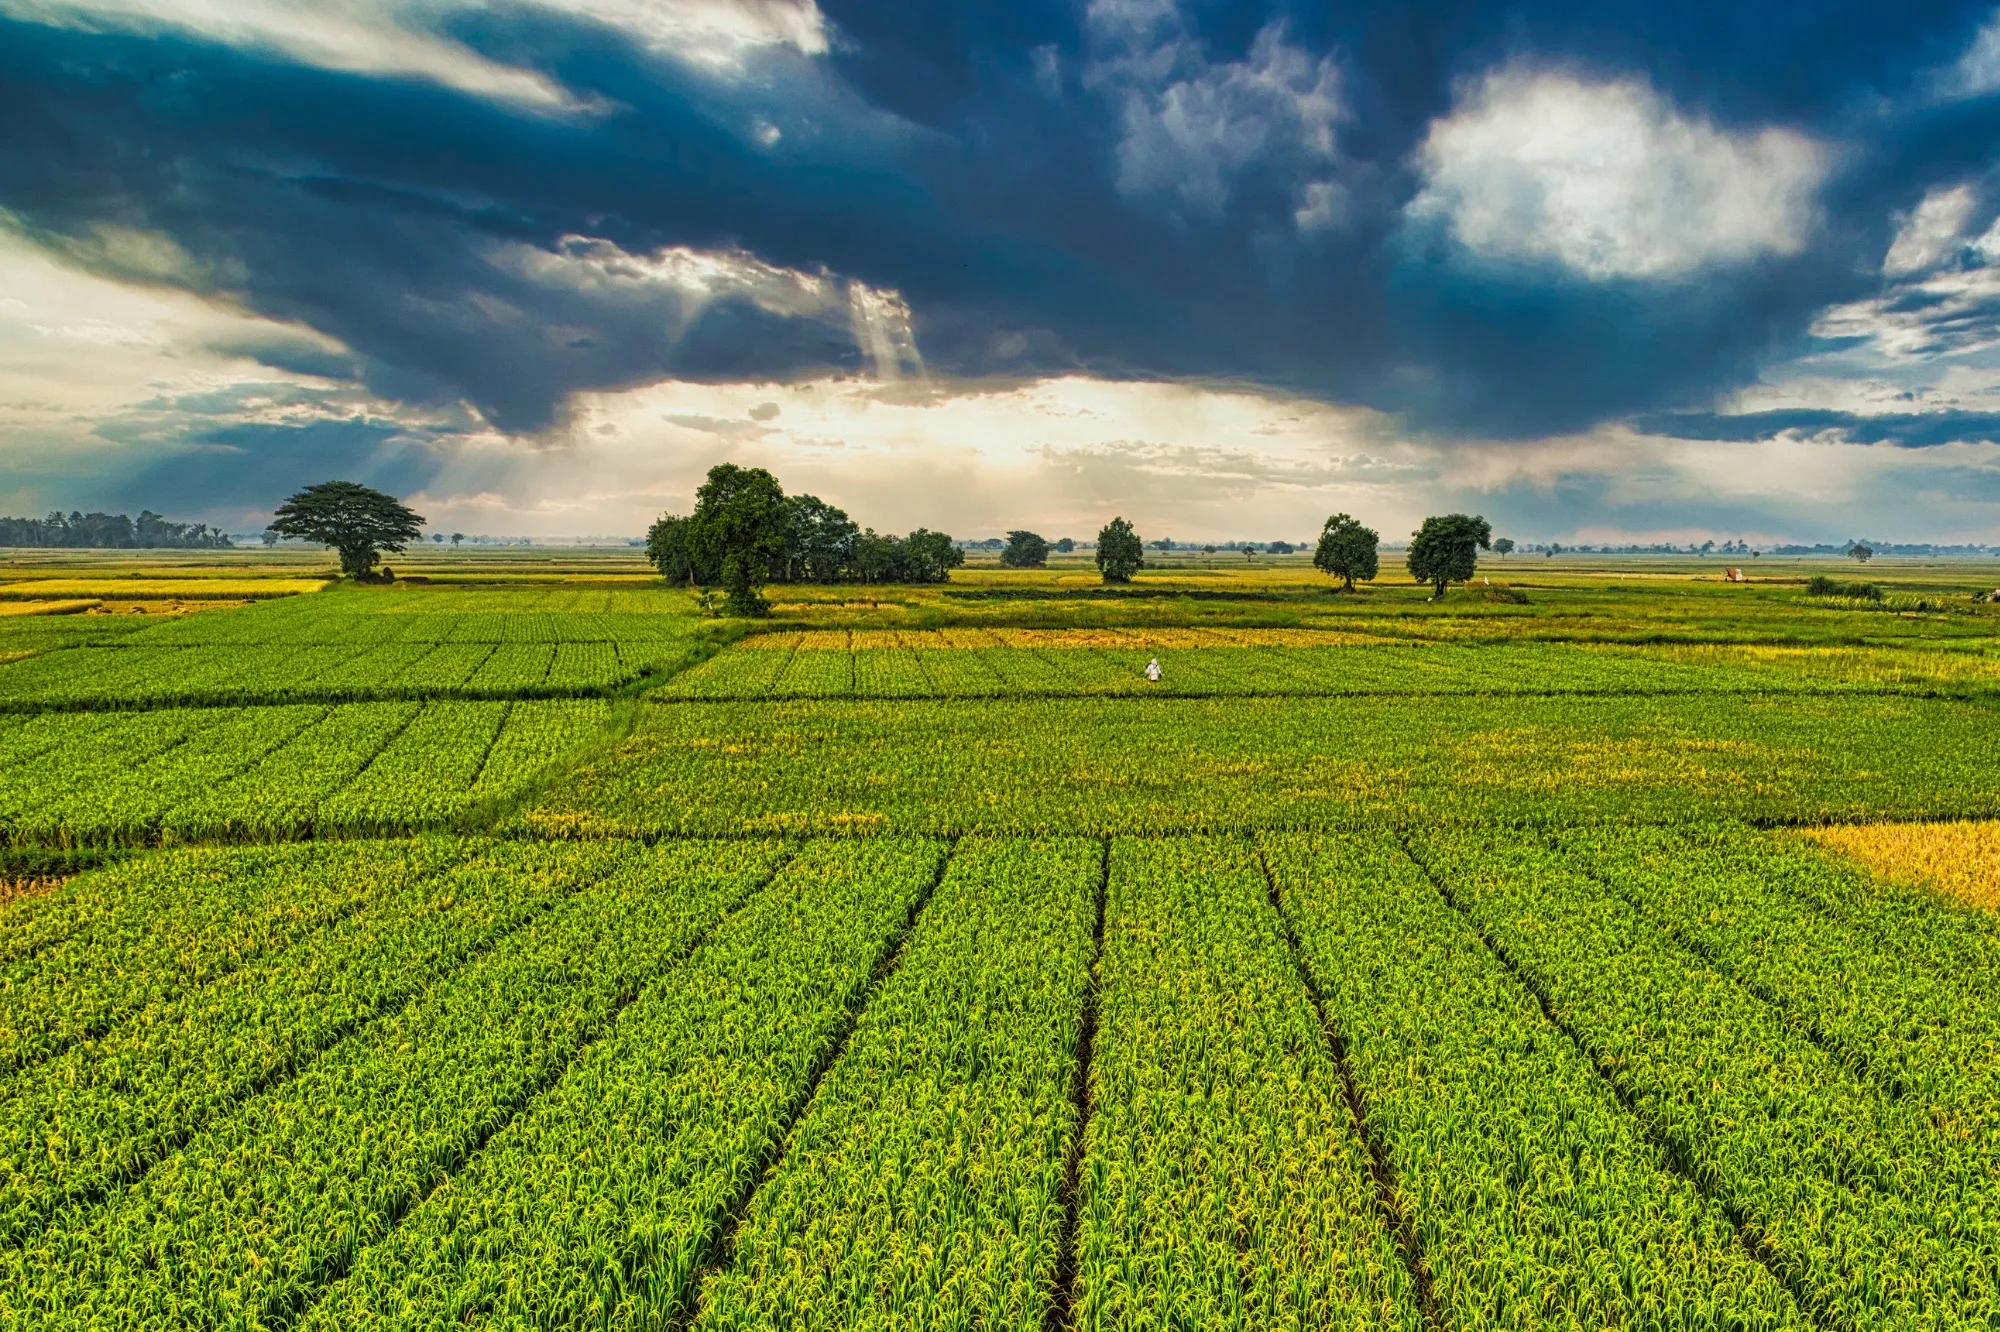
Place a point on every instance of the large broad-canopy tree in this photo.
(353, 519)
(1347, 550)
(1446, 550)
(1025, 550)
(1120, 553)
(738, 530)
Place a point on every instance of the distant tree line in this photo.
(110, 531)
(746, 533)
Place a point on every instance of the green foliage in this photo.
(1503, 545)
(1206, 1040)
(820, 541)
(366, 1129)
(983, 1020)
(746, 532)
(1465, 1080)
(1876, 1217)
(611, 1190)
(737, 531)
(1025, 550)
(1120, 553)
(1347, 550)
(1446, 550)
(1065, 545)
(354, 520)
(668, 549)
(1819, 585)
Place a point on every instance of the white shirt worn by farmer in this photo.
(1153, 670)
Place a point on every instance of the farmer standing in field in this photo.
(1153, 670)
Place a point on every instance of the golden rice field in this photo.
(1958, 858)
(137, 588)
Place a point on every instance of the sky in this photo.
(1601, 272)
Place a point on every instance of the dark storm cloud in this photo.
(1006, 166)
(1907, 430)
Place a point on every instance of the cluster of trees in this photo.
(110, 531)
(746, 533)
(1445, 550)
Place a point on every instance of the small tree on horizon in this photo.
(1446, 550)
(1860, 552)
(1066, 545)
(1120, 553)
(351, 518)
(1347, 550)
(1503, 546)
(1025, 550)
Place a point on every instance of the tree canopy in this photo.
(1120, 553)
(1445, 550)
(743, 514)
(353, 519)
(112, 531)
(1347, 550)
(1025, 550)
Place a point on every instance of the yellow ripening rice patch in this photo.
(14, 889)
(159, 589)
(69, 607)
(158, 607)
(1960, 860)
(804, 640)
(7, 655)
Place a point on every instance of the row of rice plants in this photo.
(1064, 766)
(108, 1107)
(248, 1219)
(602, 1202)
(1537, 1201)
(924, 1186)
(140, 933)
(274, 771)
(1224, 1183)
(1916, 1021)
(1837, 1183)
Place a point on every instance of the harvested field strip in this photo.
(1960, 860)
(1223, 1179)
(380, 1119)
(1471, 1089)
(885, 1206)
(159, 589)
(1837, 1185)
(106, 1109)
(602, 1204)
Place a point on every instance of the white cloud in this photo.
(1192, 126)
(1977, 71)
(1609, 180)
(407, 38)
(1926, 237)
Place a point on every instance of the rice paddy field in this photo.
(1606, 945)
